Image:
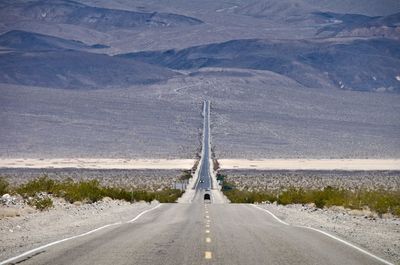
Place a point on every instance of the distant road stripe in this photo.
(208, 255)
(273, 215)
(74, 237)
(348, 244)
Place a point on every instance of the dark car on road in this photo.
(207, 198)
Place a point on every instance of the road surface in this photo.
(204, 180)
(199, 233)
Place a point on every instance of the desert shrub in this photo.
(292, 195)
(226, 186)
(118, 194)
(89, 191)
(396, 210)
(196, 164)
(240, 196)
(168, 195)
(186, 175)
(381, 201)
(41, 203)
(220, 177)
(3, 186)
(31, 188)
(329, 196)
(215, 164)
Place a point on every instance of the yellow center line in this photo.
(207, 231)
(208, 255)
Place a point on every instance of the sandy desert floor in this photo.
(311, 164)
(94, 163)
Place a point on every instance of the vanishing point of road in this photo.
(202, 233)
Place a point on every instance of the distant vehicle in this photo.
(201, 181)
(207, 189)
(207, 198)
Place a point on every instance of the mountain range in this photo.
(287, 78)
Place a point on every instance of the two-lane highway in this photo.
(198, 233)
(202, 234)
(204, 180)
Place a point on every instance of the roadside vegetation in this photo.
(37, 192)
(3, 186)
(186, 175)
(379, 201)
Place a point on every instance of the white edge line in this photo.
(348, 244)
(273, 215)
(74, 237)
(329, 235)
(142, 213)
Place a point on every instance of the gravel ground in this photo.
(254, 115)
(381, 236)
(308, 179)
(26, 228)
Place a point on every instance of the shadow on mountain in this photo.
(102, 19)
(353, 25)
(365, 65)
(76, 70)
(23, 40)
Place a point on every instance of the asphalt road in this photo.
(201, 233)
(204, 181)
(181, 234)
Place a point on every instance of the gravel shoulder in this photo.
(380, 236)
(26, 228)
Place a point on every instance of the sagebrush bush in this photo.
(240, 196)
(3, 186)
(41, 203)
(31, 188)
(85, 191)
(292, 195)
